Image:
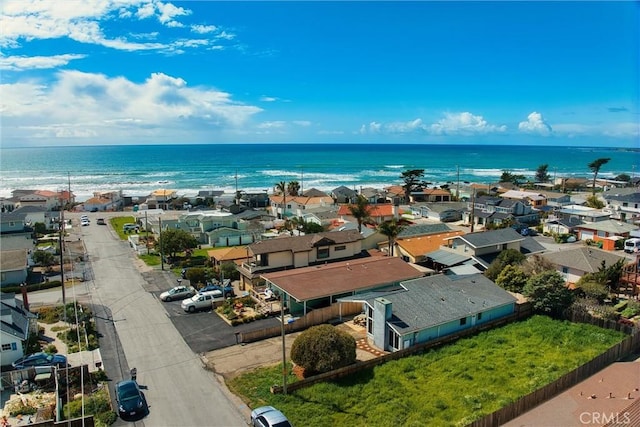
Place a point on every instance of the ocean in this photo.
(139, 169)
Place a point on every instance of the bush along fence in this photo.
(522, 311)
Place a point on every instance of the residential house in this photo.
(297, 205)
(623, 207)
(433, 307)
(575, 263)
(537, 200)
(326, 217)
(485, 210)
(14, 232)
(161, 199)
(105, 201)
(554, 198)
(370, 236)
(16, 323)
(37, 214)
(14, 267)
(560, 226)
(308, 288)
(284, 253)
(378, 213)
(394, 194)
(480, 248)
(579, 213)
(430, 195)
(443, 212)
(344, 194)
(234, 254)
(415, 241)
(601, 230)
(50, 200)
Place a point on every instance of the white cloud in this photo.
(81, 21)
(611, 130)
(203, 29)
(452, 124)
(464, 123)
(271, 125)
(268, 98)
(302, 123)
(36, 62)
(535, 124)
(83, 104)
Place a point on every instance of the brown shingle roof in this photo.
(336, 278)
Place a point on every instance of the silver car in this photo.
(178, 293)
(268, 416)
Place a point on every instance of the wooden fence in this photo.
(312, 318)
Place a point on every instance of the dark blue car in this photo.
(227, 288)
(131, 401)
(41, 359)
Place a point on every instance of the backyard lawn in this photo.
(449, 386)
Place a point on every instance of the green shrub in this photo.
(51, 349)
(323, 348)
(97, 403)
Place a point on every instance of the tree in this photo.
(323, 348)
(412, 182)
(623, 177)
(391, 229)
(513, 178)
(594, 202)
(43, 258)
(40, 228)
(537, 264)
(512, 278)
(542, 173)
(293, 188)
(548, 293)
(595, 168)
(197, 275)
(592, 289)
(506, 257)
(228, 270)
(361, 211)
(281, 187)
(173, 241)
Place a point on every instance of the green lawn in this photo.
(449, 386)
(118, 222)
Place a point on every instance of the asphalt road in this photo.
(138, 332)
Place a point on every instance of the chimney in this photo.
(25, 298)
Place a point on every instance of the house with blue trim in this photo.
(16, 322)
(433, 307)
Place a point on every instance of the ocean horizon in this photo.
(137, 170)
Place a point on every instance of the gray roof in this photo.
(586, 258)
(29, 209)
(531, 246)
(440, 207)
(483, 239)
(423, 230)
(609, 226)
(304, 243)
(13, 260)
(464, 269)
(12, 216)
(448, 258)
(435, 300)
(314, 192)
(633, 196)
(344, 191)
(19, 326)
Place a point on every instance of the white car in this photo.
(84, 222)
(205, 300)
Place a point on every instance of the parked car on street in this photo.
(178, 293)
(41, 359)
(268, 416)
(202, 301)
(131, 401)
(101, 221)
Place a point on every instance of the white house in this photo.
(16, 322)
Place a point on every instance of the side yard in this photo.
(452, 385)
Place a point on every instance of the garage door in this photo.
(586, 235)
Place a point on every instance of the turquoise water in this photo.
(137, 170)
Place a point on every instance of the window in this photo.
(394, 339)
(479, 316)
(463, 321)
(369, 320)
(6, 347)
(323, 253)
(565, 270)
(340, 248)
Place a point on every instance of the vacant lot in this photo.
(449, 386)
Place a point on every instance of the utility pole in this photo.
(458, 185)
(146, 227)
(284, 347)
(161, 254)
(61, 233)
(473, 207)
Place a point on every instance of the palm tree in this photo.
(282, 188)
(391, 229)
(293, 188)
(595, 168)
(361, 211)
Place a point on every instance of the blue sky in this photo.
(152, 72)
